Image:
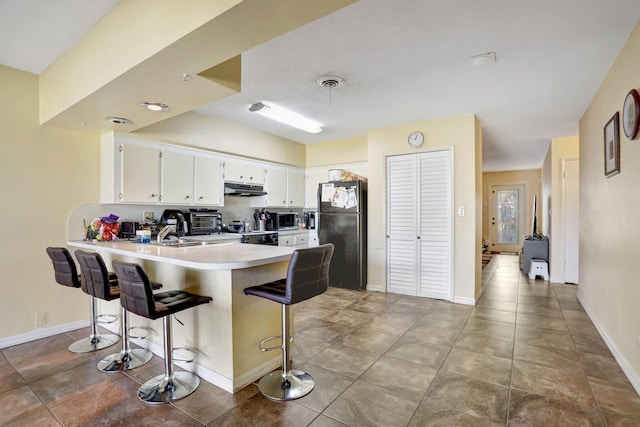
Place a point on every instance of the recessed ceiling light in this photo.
(483, 59)
(155, 106)
(285, 116)
(119, 120)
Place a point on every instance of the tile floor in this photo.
(526, 355)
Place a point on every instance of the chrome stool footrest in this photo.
(147, 331)
(187, 359)
(106, 318)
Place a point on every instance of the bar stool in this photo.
(307, 277)
(66, 274)
(137, 297)
(97, 282)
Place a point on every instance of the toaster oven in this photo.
(203, 222)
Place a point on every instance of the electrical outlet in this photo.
(41, 318)
(147, 216)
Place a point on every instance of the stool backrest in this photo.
(65, 269)
(308, 273)
(95, 276)
(136, 294)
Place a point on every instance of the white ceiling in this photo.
(403, 61)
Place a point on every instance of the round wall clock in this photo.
(631, 114)
(415, 139)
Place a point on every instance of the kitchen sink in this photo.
(181, 243)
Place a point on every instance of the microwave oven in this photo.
(287, 221)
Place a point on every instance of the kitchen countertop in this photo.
(221, 256)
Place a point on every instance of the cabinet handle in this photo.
(284, 202)
(153, 195)
(199, 198)
(250, 178)
(186, 198)
(241, 176)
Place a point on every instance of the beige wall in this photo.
(336, 152)
(531, 178)
(461, 134)
(609, 209)
(44, 174)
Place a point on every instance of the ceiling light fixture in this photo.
(483, 59)
(287, 117)
(155, 106)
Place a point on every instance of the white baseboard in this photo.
(465, 301)
(40, 333)
(375, 288)
(622, 361)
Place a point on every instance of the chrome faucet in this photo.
(165, 231)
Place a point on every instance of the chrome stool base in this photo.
(94, 343)
(125, 361)
(294, 385)
(165, 389)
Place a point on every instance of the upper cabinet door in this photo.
(177, 178)
(276, 187)
(208, 181)
(247, 173)
(295, 189)
(140, 181)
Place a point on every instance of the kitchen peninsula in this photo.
(226, 332)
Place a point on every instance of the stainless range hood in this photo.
(243, 190)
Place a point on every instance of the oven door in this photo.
(261, 239)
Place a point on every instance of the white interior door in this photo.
(402, 211)
(435, 225)
(571, 201)
(507, 220)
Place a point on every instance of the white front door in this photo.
(507, 217)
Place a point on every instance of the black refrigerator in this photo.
(342, 209)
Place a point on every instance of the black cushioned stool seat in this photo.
(307, 277)
(98, 282)
(66, 274)
(137, 297)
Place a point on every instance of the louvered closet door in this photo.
(435, 224)
(402, 210)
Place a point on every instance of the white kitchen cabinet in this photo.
(276, 187)
(139, 180)
(298, 239)
(208, 186)
(285, 188)
(313, 240)
(301, 240)
(244, 172)
(419, 224)
(286, 240)
(295, 189)
(177, 177)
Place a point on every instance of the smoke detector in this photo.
(330, 82)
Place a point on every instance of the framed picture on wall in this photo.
(612, 146)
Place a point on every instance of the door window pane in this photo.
(508, 202)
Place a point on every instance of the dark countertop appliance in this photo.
(343, 222)
(310, 220)
(243, 190)
(174, 217)
(201, 222)
(260, 238)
